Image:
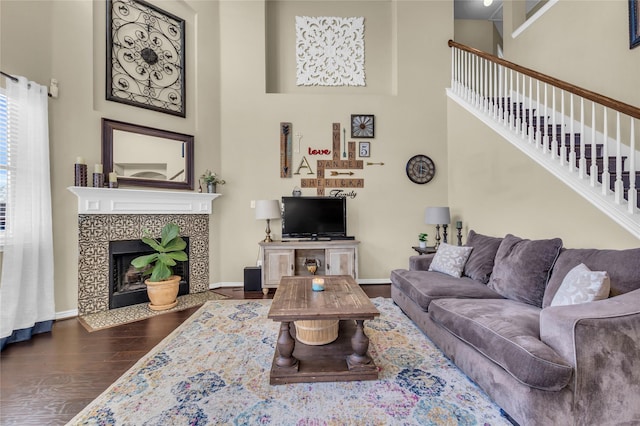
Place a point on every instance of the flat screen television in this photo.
(314, 217)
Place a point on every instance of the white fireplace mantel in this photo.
(140, 201)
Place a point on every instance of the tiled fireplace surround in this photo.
(126, 221)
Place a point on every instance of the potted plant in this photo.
(210, 180)
(162, 285)
(422, 239)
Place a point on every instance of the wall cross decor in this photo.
(321, 182)
(145, 57)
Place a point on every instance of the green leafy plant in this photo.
(209, 177)
(422, 237)
(169, 249)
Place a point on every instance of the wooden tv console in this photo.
(287, 258)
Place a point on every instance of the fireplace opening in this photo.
(126, 285)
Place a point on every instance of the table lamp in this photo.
(438, 216)
(268, 209)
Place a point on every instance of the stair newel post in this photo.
(572, 147)
(582, 169)
(632, 194)
(593, 171)
(618, 186)
(554, 134)
(606, 177)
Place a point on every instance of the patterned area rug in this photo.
(127, 314)
(214, 369)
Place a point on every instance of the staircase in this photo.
(545, 118)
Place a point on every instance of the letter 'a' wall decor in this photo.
(329, 51)
(145, 57)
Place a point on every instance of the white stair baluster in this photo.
(606, 176)
(544, 128)
(593, 172)
(582, 167)
(554, 135)
(632, 194)
(572, 142)
(618, 186)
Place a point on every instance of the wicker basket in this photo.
(317, 332)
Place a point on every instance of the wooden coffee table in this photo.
(346, 358)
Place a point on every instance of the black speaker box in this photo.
(252, 278)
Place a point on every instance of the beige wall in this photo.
(478, 34)
(495, 189)
(235, 120)
(594, 53)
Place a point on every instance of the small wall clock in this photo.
(420, 169)
(362, 126)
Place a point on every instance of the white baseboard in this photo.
(66, 314)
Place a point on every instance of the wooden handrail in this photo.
(622, 107)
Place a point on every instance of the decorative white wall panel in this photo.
(330, 51)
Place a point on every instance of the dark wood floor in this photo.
(50, 378)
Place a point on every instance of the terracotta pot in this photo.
(163, 294)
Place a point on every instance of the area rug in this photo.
(128, 314)
(214, 369)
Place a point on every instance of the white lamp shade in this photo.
(437, 216)
(267, 209)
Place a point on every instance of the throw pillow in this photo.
(450, 260)
(480, 262)
(522, 268)
(582, 285)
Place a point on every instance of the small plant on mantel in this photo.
(422, 237)
(162, 285)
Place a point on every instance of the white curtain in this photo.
(26, 288)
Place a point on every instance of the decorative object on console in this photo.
(113, 180)
(438, 216)
(420, 169)
(268, 209)
(211, 180)
(286, 156)
(362, 126)
(297, 192)
(634, 24)
(162, 285)
(459, 228)
(422, 238)
(329, 51)
(312, 265)
(145, 57)
(80, 172)
(364, 149)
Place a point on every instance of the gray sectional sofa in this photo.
(575, 364)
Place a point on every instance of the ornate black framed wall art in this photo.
(634, 23)
(145, 57)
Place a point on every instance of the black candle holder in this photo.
(80, 174)
(459, 227)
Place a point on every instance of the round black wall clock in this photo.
(420, 169)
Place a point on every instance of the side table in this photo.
(426, 250)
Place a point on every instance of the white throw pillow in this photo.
(582, 285)
(450, 260)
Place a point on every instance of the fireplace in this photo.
(108, 215)
(126, 284)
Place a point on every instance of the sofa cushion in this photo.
(481, 260)
(522, 268)
(450, 259)
(508, 333)
(423, 287)
(623, 267)
(582, 285)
